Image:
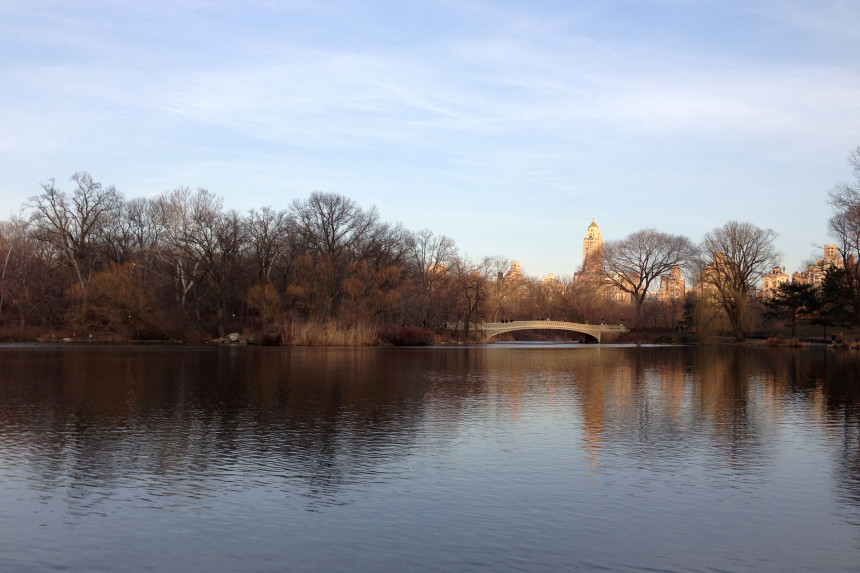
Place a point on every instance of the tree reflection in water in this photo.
(100, 429)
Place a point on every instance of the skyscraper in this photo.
(592, 250)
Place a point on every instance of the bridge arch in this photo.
(513, 327)
(593, 332)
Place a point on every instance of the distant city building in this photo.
(593, 271)
(515, 272)
(592, 256)
(438, 269)
(612, 291)
(553, 284)
(814, 274)
(705, 287)
(672, 287)
(771, 281)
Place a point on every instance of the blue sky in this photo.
(507, 126)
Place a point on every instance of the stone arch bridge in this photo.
(595, 332)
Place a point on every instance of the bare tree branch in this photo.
(635, 262)
(736, 257)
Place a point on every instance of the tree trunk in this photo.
(639, 305)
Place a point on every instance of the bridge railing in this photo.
(537, 324)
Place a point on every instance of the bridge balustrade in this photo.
(490, 329)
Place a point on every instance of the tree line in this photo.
(179, 266)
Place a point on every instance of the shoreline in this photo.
(655, 339)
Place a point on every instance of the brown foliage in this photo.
(121, 297)
(266, 302)
(371, 293)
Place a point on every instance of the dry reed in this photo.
(328, 333)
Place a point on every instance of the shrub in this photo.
(406, 335)
(269, 335)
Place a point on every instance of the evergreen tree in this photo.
(794, 300)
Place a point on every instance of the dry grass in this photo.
(329, 333)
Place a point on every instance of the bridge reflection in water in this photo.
(594, 332)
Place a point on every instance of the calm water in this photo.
(502, 458)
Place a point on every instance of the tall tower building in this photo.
(592, 250)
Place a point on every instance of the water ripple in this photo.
(501, 459)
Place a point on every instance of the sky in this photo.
(507, 126)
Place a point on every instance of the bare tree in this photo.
(384, 245)
(71, 224)
(12, 235)
(268, 233)
(331, 224)
(375, 273)
(736, 257)
(222, 263)
(334, 231)
(845, 223)
(635, 262)
(845, 228)
(430, 258)
(133, 233)
(186, 226)
(474, 282)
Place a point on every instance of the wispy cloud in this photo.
(473, 97)
(832, 21)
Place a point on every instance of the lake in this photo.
(505, 457)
